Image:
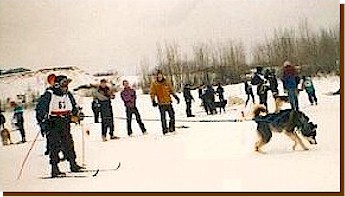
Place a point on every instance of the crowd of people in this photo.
(57, 107)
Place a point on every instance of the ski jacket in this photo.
(18, 115)
(54, 102)
(187, 95)
(290, 78)
(162, 91)
(128, 95)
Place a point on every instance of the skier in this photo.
(162, 89)
(309, 87)
(249, 91)
(104, 96)
(128, 95)
(188, 99)
(290, 83)
(55, 109)
(220, 92)
(18, 119)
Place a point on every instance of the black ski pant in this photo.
(163, 109)
(107, 118)
(189, 108)
(248, 97)
(59, 138)
(312, 97)
(107, 123)
(263, 100)
(129, 113)
(20, 126)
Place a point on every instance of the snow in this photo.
(207, 156)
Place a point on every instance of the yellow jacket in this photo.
(162, 90)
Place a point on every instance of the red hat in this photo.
(51, 79)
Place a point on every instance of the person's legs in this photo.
(248, 97)
(292, 98)
(139, 121)
(171, 113)
(252, 97)
(188, 109)
(129, 120)
(314, 96)
(162, 110)
(22, 131)
(310, 98)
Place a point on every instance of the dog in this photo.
(221, 105)
(6, 137)
(279, 101)
(286, 121)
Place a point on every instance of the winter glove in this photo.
(154, 103)
(177, 99)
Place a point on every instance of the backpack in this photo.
(2, 120)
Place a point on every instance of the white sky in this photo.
(100, 35)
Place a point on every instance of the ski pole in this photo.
(27, 156)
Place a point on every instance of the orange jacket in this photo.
(162, 90)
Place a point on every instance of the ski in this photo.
(98, 170)
(86, 173)
(72, 175)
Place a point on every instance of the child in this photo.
(309, 88)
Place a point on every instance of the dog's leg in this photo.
(301, 142)
(259, 144)
(293, 138)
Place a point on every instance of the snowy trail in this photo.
(204, 157)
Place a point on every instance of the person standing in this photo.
(249, 91)
(162, 89)
(128, 96)
(290, 82)
(188, 99)
(55, 109)
(104, 96)
(273, 83)
(309, 88)
(220, 92)
(262, 87)
(18, 119)
(209, 99)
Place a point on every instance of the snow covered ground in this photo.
(207, 156)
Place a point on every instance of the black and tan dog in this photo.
(221, 105)
(6, 137)
(286, 121)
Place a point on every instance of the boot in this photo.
(75, 167)
(56, 172)
(23, 140)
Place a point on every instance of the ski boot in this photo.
(75, 167)
(56, 172)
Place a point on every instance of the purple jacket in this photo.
(128, 96)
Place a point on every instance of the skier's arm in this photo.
(153, 91)
(42, 107)
(75, 108)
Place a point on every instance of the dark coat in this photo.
(187, 95)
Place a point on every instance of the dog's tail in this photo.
(258, 109)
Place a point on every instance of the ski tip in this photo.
(118, 166)
(96, 173)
